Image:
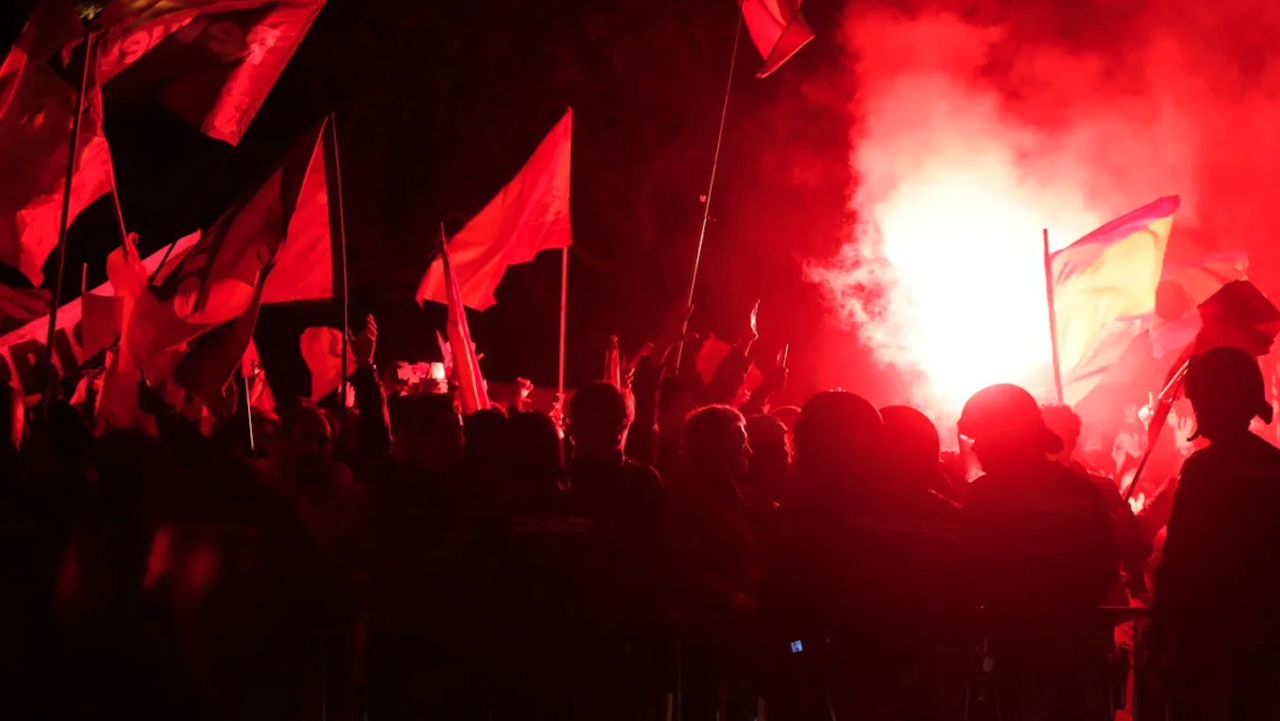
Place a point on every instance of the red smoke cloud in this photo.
(969, 135)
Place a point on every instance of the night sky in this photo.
(439, 104)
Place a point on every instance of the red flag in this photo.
(528, 216)
(218, 279)
(212, 62)
(322, 351)
(37, 107)
(260, 396)
(208, 365)
(472, 395)
(778, 30)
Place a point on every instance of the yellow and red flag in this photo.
(1104, 292)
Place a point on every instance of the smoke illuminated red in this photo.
(955, 178)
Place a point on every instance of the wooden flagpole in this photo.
(711, 186)
(564, 304)
(1053, 320)
(338, 237)
(65, 222)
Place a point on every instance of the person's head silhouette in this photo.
(835, 434)
(911, 440)
(1006, 427)
(715, 445)
(1226, 391)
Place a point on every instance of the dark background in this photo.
(439, 104)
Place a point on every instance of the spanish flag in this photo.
(1104, 292)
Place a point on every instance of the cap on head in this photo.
(1004, 415)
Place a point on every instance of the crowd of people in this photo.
(669, 549)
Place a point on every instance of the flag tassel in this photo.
(711, 184)
(65, 222)
(338, 238)
(1053, 320)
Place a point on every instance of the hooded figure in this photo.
(1216, 589)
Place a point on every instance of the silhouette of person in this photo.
(1043, 557)
(1216, 622)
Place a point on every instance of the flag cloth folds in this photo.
(218, 279)
(529, 215)
(211, 62)
(214, 357)
(472, 395)
(1104, 292)
(37, 107)
(778, 30)
(322, 351)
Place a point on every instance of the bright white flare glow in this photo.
(945, 278)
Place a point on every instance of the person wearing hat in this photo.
(1216, 628)
(1042, 557)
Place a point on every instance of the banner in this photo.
(23, 350)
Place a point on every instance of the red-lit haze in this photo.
(968, 140)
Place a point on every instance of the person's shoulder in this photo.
(641, 476)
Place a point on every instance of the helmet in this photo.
(1227, 382)
(1005, 414)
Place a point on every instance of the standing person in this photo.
(1133, 543)
(711, 544)
(575, 568)
(1216, 621)
(1043, 558)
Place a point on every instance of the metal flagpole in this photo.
(65, 222)
(711, 186)
(1053, 319)
(564, 304)
(338, 236)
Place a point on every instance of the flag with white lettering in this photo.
(212, 62)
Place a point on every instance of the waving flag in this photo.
(530, 215)
(322, 351)
(37, 107)
(86, 325)
(218, 279)
(778, 30)
(212, 62)
(472, 395)
(1104, 292)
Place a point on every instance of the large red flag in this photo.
(37, 107)
(472, 395)
(212, 62)
(530, 215)
(778, 30)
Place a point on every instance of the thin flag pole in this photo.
(338, 235)
(1053, 319)
(65, 221)
(248, 409)
(564, 305)
(711, 185)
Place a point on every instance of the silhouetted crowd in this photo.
(669, 550)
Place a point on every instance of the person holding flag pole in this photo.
(779, 31)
